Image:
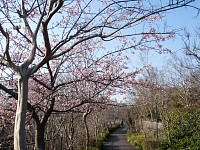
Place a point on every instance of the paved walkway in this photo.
(118, 141)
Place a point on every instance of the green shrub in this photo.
(182, 129)
(113, 128)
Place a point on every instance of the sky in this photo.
(176, 19)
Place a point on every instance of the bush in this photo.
(113, 128)
(182, 129)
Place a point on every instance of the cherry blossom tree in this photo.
(35, 33)
(63, 86)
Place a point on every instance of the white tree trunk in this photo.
(19, 129)
(86, 131)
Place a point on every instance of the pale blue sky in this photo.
(176, 19)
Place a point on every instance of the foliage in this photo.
(113, 128)
(183, 130)
(141, 142)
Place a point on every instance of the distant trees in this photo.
(171, 96)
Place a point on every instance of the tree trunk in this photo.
(86, 130)
(157, 117)
(40, 127)
(39, 137)
(96, 135)
(19, 129)
(168, 132)
(71, 132)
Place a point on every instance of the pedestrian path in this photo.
(118, 141)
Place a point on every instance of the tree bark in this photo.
(40, 127)
(168, 132)
(39, 136)
(19, 129)
(71, 132)
(86, 130)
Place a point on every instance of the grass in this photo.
(141, 142)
